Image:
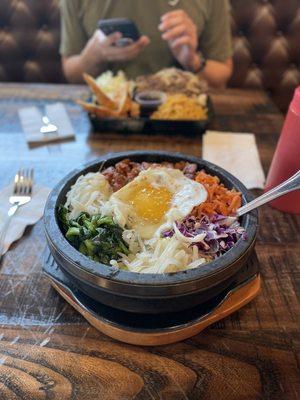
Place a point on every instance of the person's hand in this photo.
(180, 32)
(99, 49)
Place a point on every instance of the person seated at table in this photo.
(191, 34)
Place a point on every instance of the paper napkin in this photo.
(237, 153)
(28, 214)
(31, 121)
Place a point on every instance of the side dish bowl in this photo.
(139, 292)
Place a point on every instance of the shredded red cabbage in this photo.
(221, 233)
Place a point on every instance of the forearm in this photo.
(217, 73)
(89, 60)
(75, 66)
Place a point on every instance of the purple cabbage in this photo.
(221, 233)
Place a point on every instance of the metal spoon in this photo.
(291, 184)
(48, 127)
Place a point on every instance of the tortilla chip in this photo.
(135, 109)
(124, 102)
(99, 111)
(102, 98)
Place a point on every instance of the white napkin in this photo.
(237, 153)
(28, 214)
(31, 121)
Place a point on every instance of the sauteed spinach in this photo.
(95, 236)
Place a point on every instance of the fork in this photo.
(22, 193)
(48, 127)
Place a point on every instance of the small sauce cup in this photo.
(150, 100)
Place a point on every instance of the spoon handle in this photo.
(293, 183)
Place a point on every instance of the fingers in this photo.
(182, 40)
(169, 23)
(133, 50)
(144, 41)
(173, 33)
(174, 13)
(127, 53)
(112, 39)
(137, 46)
(175, 24)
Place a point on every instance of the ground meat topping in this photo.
(126, 170)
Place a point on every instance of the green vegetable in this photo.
(72, 232)
(63, 217)
(95, 236)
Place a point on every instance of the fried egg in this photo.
(152, 201)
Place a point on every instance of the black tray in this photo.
(149, 126)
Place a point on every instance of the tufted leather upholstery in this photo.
(29, 39)
(266, 44)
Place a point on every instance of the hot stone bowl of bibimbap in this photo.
(150, 232)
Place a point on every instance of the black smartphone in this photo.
(125, 26)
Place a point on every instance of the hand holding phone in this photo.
(125, 26)
(101, 49)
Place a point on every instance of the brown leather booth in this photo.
(266, 44)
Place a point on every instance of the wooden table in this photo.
(48, 351)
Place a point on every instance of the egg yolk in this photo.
(150, 203)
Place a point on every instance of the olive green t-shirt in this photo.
(79, 20)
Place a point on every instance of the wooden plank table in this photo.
(48, 351)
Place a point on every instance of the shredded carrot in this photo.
(220, 200)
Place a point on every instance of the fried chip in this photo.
(99, 111)
(124, 102)
(102, 98)
(103, 106)
(135, 109)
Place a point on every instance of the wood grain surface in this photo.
(48, 351)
